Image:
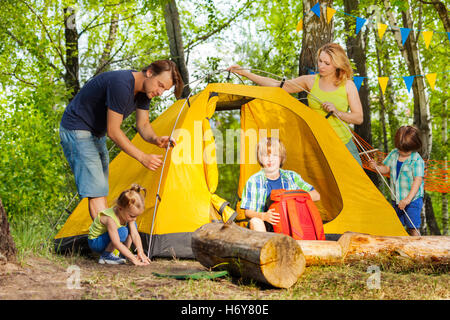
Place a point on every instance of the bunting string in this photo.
(382, 28)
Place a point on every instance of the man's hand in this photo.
(151, 161)
(165, 141)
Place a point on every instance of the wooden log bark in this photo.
(8, 249)
(427, 249)
(266, 257)
(321, 252)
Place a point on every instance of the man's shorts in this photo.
(413, 210)
(88, 157)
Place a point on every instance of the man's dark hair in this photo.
(159, 66)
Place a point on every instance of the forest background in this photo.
(49, 49)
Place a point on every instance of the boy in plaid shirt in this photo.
(271, 155)
(406, 168)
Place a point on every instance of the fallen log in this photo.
(267, 257)
(321, 252)
(427, 249)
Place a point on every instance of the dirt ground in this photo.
(82, 278)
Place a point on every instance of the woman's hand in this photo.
(237, 69)
(329, 107)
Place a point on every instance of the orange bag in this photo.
(299, 217)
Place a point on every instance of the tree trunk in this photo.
(173, 29)
(382, 102)
(321, 252)
(266, 257)
(410, 52)
(356, 51)
(429, 213)
(112, 35)
(425, 249)
(445, 168)
(72, 60)
(316, 33)
(443, 14)
(8, 249)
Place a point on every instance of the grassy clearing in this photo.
(44, 274)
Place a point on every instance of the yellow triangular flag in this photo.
(300, 25)
(431, 77)
(383, 83)
(330, 14)
(427, 37)
(381, 29)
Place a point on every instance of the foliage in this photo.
(36, 181)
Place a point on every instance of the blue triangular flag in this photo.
(358, 81)
(408, 81)
(316, 9)
(448, 35)
(405, 33)
(359, 24)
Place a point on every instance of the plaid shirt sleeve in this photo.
(418, 167)
(299, 182)
(246, 201)
(254, 194)
(387, 161)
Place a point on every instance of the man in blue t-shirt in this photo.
(99, 108)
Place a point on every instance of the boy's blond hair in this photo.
(265, 146)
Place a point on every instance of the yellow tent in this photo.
(349, 200)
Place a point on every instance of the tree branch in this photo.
(196, 41)
(46, 32)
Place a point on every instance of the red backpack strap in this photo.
(294, 219)
(316, 219)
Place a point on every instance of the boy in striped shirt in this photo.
(271, 155)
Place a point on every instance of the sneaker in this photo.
(110, 258)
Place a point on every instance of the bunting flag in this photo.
(299, 25)
(408, 82)
(381, 30)
(316, 9)
(358, 81)
(330, 14)
(427, 35)
(382, 27)
(404, 33)
(431, 77)
(359, 24)
(383, 83)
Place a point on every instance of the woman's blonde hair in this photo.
(266, 146)
(339, 60)
(132, 197)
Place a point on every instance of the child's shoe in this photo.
(110, 258)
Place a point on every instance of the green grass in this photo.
(400, 278)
